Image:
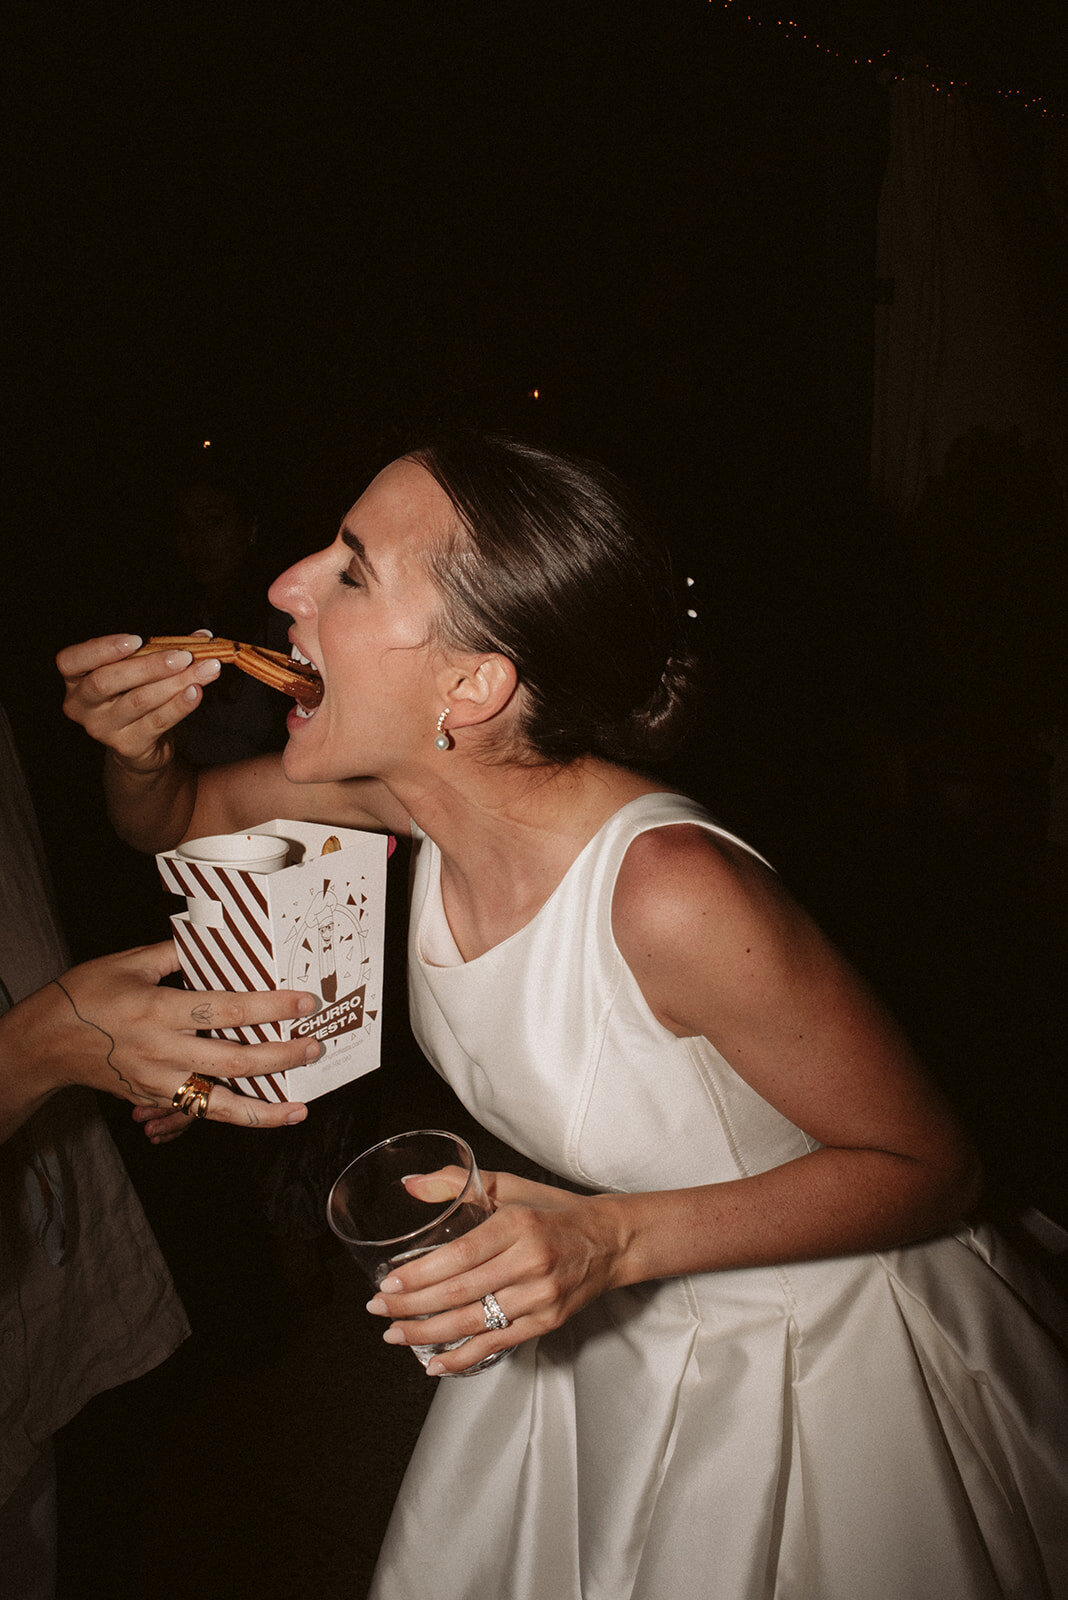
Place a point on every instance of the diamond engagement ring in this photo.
(495, 1317)
(192, 1096)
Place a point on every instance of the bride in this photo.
(758, 1348)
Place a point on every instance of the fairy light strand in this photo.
(891, 66)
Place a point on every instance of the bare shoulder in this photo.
(684, 870)
(694, 912)
(721, 950)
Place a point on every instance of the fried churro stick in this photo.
(200, 647)
(271, 667)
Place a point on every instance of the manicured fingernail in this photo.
(315, 1051)
(307, 1003)
(294, 1117)
(192, 693)
(391, 1286)
(129, 643)
(208, 670)
(393, 1335)
(377, 1307)
(435, 1369)
(177, 658)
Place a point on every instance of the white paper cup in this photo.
(251, 852)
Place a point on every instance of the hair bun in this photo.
(657, 728)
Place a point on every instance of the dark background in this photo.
(309, 233)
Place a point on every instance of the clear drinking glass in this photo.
(383, 1226)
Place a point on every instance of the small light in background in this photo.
(206, 445)
(533, 394)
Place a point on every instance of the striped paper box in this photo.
(317, 925)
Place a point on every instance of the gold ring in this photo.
(192, 1096)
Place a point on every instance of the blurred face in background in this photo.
(212, 533)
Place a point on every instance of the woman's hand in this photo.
(544, 1254)
(110, 1025)
(161, 1127)
(131, 706)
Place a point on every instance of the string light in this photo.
(892, 66)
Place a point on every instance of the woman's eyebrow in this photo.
(355, 544)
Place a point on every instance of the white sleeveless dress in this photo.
(880, 1427)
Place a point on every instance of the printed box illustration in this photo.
(317, 924)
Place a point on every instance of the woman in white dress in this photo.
(757, 1351)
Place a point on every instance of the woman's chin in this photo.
(301, 766)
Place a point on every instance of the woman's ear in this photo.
(480, 689)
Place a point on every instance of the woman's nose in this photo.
(292, 590)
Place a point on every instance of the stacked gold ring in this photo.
(192, 1096)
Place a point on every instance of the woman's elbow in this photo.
(960, 1181)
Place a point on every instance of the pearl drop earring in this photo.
(442, 742)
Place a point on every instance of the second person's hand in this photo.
(110, 1023)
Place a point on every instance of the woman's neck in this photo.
(508, 835)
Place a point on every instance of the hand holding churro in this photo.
(129, 695)
(271, 667)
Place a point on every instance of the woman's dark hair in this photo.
(556, 568)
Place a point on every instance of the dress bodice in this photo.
(549, 1038)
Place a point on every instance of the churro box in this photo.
(312, 919)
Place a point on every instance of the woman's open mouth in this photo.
(307, 693)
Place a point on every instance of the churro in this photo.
(302, 682)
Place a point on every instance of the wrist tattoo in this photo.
(133, 1095)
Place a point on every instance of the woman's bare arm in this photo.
(243, 793)
(719, 950)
